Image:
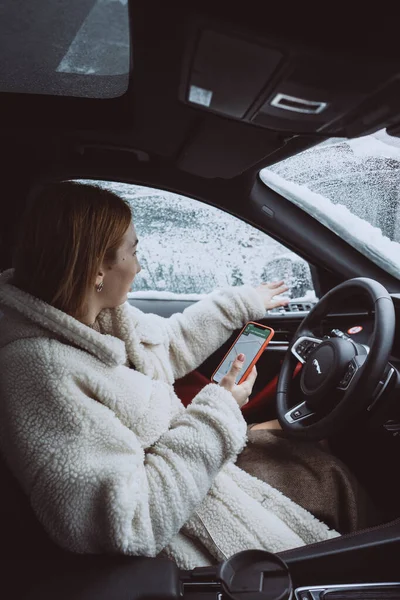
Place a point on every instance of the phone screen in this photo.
(249, 343)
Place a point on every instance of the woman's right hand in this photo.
(242, 391)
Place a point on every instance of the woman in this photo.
(89, 422)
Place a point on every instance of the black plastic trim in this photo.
(367, 556)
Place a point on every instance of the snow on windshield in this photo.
(352, 187)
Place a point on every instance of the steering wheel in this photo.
(340, 379)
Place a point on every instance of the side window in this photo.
(187, 247)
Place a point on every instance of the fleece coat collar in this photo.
(110, 348)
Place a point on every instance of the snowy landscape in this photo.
(186, 247)
(189, 248)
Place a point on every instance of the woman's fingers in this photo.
(236, 367)
(247, 385)
(274, 284)
(269, 291)
(280, 290)
(278, 287)
(279, 302)
(252, 377)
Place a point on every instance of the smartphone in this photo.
(252, 341)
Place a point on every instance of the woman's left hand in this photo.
(268, 291)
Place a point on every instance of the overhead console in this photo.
(287, 87)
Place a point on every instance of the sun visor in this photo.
(228, 73)
(295, 90)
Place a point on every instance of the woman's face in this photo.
(119, 276)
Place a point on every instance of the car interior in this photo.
(196, 99)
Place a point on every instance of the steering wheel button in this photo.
(296, 414)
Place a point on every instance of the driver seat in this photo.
(23, 537)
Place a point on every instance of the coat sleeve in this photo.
(202, 328)
(95, 489)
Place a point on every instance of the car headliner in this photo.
(149, 117)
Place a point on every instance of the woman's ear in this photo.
(100, 276)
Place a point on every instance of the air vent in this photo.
(300, 306)
(283, 335)
(293, 307)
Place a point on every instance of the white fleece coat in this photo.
(109, 457)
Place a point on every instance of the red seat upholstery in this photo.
(187, 387)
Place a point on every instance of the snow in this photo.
(370, 146)
(358, 232)
(352, 187)
(189, 248)
(309, 296)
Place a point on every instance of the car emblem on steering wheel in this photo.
(316, 365)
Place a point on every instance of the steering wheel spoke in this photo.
(352, 370)
(298, 413)
(304, 346)
(348, 376)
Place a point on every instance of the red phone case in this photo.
(257, 356)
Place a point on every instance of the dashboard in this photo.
(354, 319)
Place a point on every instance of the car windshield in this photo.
(352, 187)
